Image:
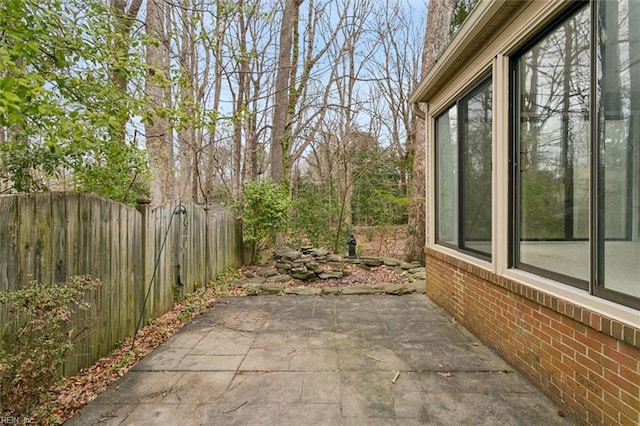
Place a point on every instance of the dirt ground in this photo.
(381, 241)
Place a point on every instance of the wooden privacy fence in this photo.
(139, 255)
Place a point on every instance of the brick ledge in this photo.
(593, 320)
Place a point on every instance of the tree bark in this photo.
(281, 117)
(435, 38)
(159, 147)
(124, 18)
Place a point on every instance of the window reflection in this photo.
(554, 150)
(447, 179)
(618, 83)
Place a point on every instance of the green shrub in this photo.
(265, 213)
(34, 344)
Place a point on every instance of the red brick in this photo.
(575, 325)
(620, 357)
(629, 335)
(611, 390)
(605, 362)
(576, 345)
(621, 382)
(602, 338)
(589, 341)
(632, 401)
(576, 368)
(595, 321)
(608, 420)
(632, 376)
(616, 330)
(626, 421)
(630, 351)
(590, 364)
(616, 408)
(541, 317)
(564, 330)
(593, 407)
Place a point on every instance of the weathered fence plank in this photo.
(50, 237)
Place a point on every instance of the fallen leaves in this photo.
(356, 276)
(76, 391)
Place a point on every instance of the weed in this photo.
(34, 344)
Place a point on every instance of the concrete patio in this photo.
(330, 360)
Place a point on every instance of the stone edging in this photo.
(310, 264)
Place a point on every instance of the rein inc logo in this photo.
(12, 420)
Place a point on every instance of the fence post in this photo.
(143, 205)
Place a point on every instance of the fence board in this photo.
(51, 237)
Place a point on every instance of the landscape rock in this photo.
(372, 261)
(396, 290)
(303, 291)
(349, 291)
(410, 265)
(325, 275)
(266, 271)
(279, 278)
(331, 291)
(388, 261)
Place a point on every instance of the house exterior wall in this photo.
(584, 361)
(583, 351)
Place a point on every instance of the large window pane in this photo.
(447, 177)
(553, 147)
(618, 83)
(476, 171)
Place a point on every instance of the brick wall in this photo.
(585, 362)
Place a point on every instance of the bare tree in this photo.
(396, 71)
(435, 38)
(124, 17)
(159, 146)
(281, 119)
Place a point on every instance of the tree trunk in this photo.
(159, 145)
(279, 144)
(435, 38)
(124, 19)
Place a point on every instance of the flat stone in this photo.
(272, 288)
(320, 252)
(372, 261)
(289, 254)
(254, 289)
(389, 261)
(331, 291)
(304, 276)
(395, 289)
(347, 291)
(267, 271)
(279, 278)
(314, 266)
(283, 266)
(330, 274)
(303, 291)
(409, 265)
(420, 275)
(251, 282)
(350, 360)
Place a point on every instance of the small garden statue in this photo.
(351, 242)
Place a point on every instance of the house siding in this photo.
(586, 362)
